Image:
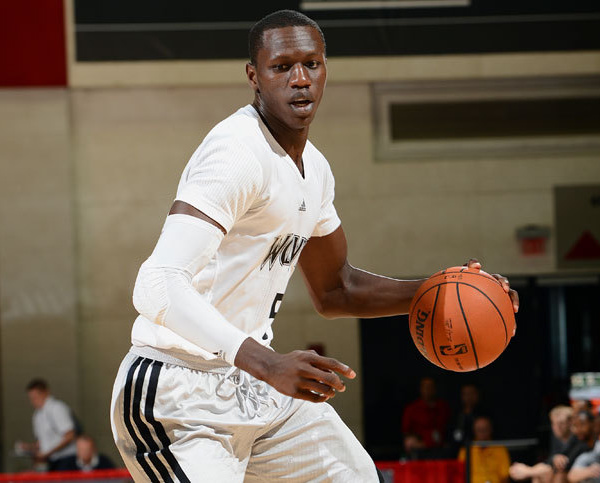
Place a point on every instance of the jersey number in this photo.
(275, 306)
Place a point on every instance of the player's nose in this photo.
(299, 76)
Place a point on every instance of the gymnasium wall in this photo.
(87, 176)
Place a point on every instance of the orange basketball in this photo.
(461, 319)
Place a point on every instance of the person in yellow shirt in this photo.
(489, 464)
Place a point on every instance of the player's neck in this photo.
(292, 141)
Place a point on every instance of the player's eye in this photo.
(313, 64)
(281, 67)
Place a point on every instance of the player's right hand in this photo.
(300, 374)
(307, 375)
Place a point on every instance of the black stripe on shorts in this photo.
(158, 427)
(142, 427)
(140, 448)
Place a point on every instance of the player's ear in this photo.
(251, 75)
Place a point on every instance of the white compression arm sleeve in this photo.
(164, 293)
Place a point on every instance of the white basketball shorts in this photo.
(220, 425)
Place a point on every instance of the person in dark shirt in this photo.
(470, 409)
(583, 428)
(87, 457)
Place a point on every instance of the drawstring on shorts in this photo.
(247, 391)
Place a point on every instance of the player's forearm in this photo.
(185, 311)
(164, 293)
(364, 294)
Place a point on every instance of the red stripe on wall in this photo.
(32, 43)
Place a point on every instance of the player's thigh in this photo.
(312, 444)
(164, 429)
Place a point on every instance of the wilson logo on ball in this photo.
(453, 350)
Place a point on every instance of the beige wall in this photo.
(38, 302)
(87, 176)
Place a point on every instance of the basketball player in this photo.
(201, 396)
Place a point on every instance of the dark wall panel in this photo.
(186, 29)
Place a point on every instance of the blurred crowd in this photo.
(429, 432)
(60, 443)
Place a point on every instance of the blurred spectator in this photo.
(53, 427)
(583, 428)
(579, 405)
(489, 464)
(587, 466)
(562, 444)
(428, 416)
(87, 457)
(470, 409)
(596, 425)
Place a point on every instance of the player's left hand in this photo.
(473, 263)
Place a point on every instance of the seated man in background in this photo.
(427, 416)
(561, 442)
(87, 457)
(563, 450)
(53, 427)
(586, 467)
(489, 464)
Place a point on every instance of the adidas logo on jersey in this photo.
(302, 206)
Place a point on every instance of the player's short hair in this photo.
(39, 384)
(561, 412)
(276, 20)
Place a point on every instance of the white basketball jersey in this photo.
(243, 179)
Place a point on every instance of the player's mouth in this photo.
(302, 105)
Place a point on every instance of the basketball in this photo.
(461, 319)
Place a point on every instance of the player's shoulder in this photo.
(237, 137)
(230, 146)
(242, 129)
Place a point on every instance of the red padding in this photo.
(66, 475)
(32, 43)
(435, 471)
